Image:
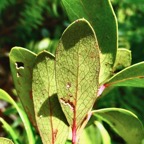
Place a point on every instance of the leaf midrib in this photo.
(50, 104)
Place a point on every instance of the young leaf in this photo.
(21, 63)
(123, 59)
(5, 96)
(50, 119)
(5, 141)
(77, 71)
(130, 76)
(102, 18)
(124, 122)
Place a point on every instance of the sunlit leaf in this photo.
(50, 119)
(91, 135)
(77, 71)
(124, 122)
(10, 130)
(5, 141)
(130, 76)
(21, 63)
(103, 132)
(102, 18)
(5, 96)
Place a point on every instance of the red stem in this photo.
(74, 129)
(74, 136)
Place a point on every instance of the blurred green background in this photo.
(38, 25)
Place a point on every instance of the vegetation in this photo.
(72, 82)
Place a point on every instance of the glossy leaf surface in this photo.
(102, 18)
(21, 63)
(50, 119)
(77, 71)
(130, 76)
(124, 122)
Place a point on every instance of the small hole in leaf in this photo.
(19, 65)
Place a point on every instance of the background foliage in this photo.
(38, 25)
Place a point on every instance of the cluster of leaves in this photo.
(130, 19)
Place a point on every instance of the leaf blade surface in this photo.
(5, 141)
(50, 119)
(124, 122)
(101, 16)
(21, 63)
(77, 71)
(130, 76)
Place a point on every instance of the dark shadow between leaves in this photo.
(51, 108)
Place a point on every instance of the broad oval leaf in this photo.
(21, 63)
(50, 119)
(77, 71)
(102, 18)
(124, 122)
(130, 76)
(5, 141)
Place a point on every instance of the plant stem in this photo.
(74, 136)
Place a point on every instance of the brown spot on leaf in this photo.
(141, 77)
(30, 94)
(67, 102)
(68, 85)
(31, 118)
(70, 95)
(92, 55)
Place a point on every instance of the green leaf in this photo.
(91, 135)
(102, 18)
(77, 71)
(130, 76)
(124, 122)
(5, 96)
(103, 132)
(21, 63)
(50, 119)
(10, 130)
(95, 134)
(123, 59)
(5, 141)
